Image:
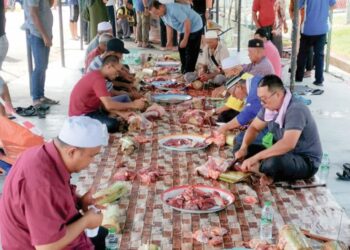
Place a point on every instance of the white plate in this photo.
(167, 64)
(160, 84)
(185, 148)
(171, 98)
(174, 191)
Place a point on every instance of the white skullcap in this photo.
(230, 62)
(104, 38)
(211, 34)
(83, 132)
(104, 26)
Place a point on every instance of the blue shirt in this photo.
(253, 104)
(176, 14)
(73, 2)
(138, 5)
(316, 16)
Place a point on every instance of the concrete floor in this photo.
(331, 110)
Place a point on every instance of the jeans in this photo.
(4, 46)
(41, 59)
(306, 43)
(123, 27)
(143, 26)
(121, 98)
(189, 54)
(101, 115)
(257, 141)
(163, 35)
(111, 17)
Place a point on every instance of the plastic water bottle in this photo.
(323, 172)
(266, 222)
(111, 240)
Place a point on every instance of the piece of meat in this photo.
(123, 174)
(177, 142)
(250, 200)
(216, 138)
(155, 111)
(195, 117)
(138, 122)
(213, 167)
(142, 139)
(148, 175)
(210, 235)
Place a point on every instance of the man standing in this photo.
(39, 181)
(74, 15)
(143, 19)
(313, 34)
(296, 152)
(189, 24)
(110, 5)
(264, 15)
(39, 22)
(4, 44)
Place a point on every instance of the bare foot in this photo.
(265, 180)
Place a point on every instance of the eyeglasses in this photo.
(265, 99)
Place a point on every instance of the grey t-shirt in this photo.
(262, 68)
(298, 117)
(45, 16)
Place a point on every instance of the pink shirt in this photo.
(273, 55)
(38, 202)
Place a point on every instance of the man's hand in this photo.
(139, 104)
(87, 200)
(146, 12)
(47, 41)
(183, 43)
(93, 219)
(218, 91)
(241, 153)
(222, 129)
(248, 164)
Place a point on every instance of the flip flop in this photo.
(343, 177)
(346, 166)
(317, 92)
(26, 112)
(41, 112)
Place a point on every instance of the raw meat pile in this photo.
(123, 174)
(195, 117)
(138, 122)
(185, 142)
(210, 235)
(174, 85)
(213, 167)
(153, 112)
(216, 138)
(148, 175)
(194, 199)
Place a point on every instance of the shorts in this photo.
(74, 13)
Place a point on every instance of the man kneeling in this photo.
(296, 152)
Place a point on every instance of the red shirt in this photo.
(38, 202)
(95, 52)
(85, 96)
(266, 12)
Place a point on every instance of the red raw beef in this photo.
(195, 117)
(217, 139)
(148, 175)
(210, 235)
(213, 167)
(177, 142)
(123, 174)
(155, 111)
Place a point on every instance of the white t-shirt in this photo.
(110, 3)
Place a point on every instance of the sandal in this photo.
(147, 46)
(343, 177)
(26, 112)
(41, 112)
(346, 166)
(317, 92)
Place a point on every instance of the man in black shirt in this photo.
(4, 45)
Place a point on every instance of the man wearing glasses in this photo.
(296, 151)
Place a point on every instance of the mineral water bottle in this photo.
(111, 240)
(323, 172)
(266, 222)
